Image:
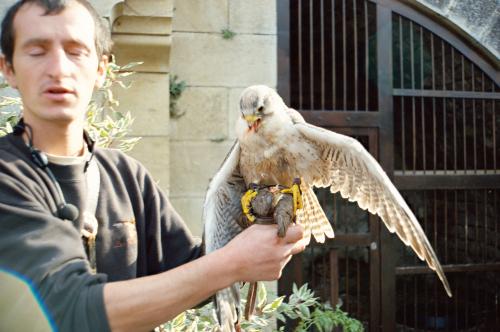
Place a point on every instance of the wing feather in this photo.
(354, 173)
(313, 218)
(222, 207)
(221, 212)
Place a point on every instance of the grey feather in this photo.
(222, 210)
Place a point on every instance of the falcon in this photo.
(274, 147)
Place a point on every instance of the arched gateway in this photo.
(424, 98)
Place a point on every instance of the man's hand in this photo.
(260, 254)
(255, 254)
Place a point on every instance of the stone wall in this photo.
(480, 19)
(142, 32)
(216, 71)
(102, 6)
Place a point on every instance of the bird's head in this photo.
(259, 104)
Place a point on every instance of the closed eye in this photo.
(77, 51)
(36, 51)
(76, 48)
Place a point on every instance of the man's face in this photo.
(55, 65)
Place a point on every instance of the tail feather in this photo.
(313, 218)
(227, 303)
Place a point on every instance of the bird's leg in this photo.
(296, 194)
(246, 202)
(283, 213)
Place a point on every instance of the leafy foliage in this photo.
(301, 306)
(227, 33)
(9, 117)
(107, 126)
(176, 89)
(309, 312)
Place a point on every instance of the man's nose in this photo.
(60, 65)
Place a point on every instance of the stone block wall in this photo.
(216, 71)
(142, 32)
(480, 19)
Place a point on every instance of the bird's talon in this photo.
(246, 202)
(282, 226)
(296, 194)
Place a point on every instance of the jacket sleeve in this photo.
(48, 254)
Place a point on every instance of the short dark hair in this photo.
(103, 41)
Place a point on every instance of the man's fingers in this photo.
(294, 233)
(289, 257)
(295, 239)
(298, 246)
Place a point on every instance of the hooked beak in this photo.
(253, 121)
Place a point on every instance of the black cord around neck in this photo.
(65, 210)
(22, 127)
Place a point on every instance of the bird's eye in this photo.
(260, 109)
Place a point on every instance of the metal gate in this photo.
(424, 101)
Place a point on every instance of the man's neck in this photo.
(57, 139)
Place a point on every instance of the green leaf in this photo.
(125, 74)
(124, 85)
(227, 33)
(131, 65)
(277, 302)
(261, 294)
(281, 317)
(304, 310)
(180, 319)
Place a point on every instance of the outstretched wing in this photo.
(221, 211)
(352, 171)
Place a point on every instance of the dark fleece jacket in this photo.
(139, 232)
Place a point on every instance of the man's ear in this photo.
(8, 72)
(101, 71)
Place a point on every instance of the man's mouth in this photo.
(58, 93)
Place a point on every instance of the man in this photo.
(149, 269)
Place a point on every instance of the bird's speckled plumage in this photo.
(278, 146)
